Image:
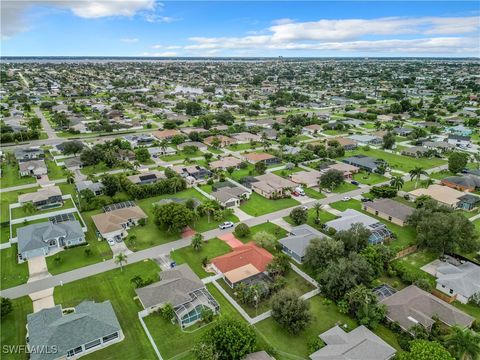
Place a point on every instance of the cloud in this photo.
(155, 18)
(14, 11)
(160, 54)
(129, 40)
(425, 35)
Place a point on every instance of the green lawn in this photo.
(176, 343)
(4, 233)
(13, 327)
(344, 187)
(268, 227)
(314, 194)
(400, 162)
(324, 217)
(369, 178)
(180, 155)
(11, 177)
(246, 146)
(20, 212)
(115, 286)
(210, 249)
(95, 169)
(241, 173)
(471, 309)
(55, 172)
(8, 198)
(13, 273)
(286, 172)
(418, 259)
(258, 205)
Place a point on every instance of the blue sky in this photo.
(152, 28)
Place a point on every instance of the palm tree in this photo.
(416, 173)
(197, 241)
(476, 159)
(120, 259)
(164, 145)
(429, 181)
(463, 344)
(29, 208)
(397, 182)
(176, 183)
(70, 176)
(209, 207)
(318, 207)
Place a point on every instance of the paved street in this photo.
(46, 125)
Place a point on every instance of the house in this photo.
(312, 129)
(461, 281)
(415, 151)
(230, 196)
(413, 306)
(81, 330)
(136, 140)
(259, 355)
(441, 146)
(147, 177)
(73, 163)
(200, 146)
(291, 150)
(225, 163)
(33, 168)
(270, 134)
(40, 239)
(117, 219)
(448, 196)
(459, 140)
(353, 122)
(308, 178)
(166, 134)
(27, 154)
(222, 140)
(266, 158)
(192, 173)
(95, 187)
(243, 263)
(157, 151)
(459, 130)
(366, 139)
(183, 290)
(44, 198)
(189, 130)
(366, 163)
(347, 169)
(358, 344)
(389, 209)
(270, 185)
(346, 143)
(402, 131)
(467, 183)
(297, 241)
(245, 137)
(379, 232)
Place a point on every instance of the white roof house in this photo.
(462, 280)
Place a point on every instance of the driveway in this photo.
(231, 240)
(37, 268)
(120, 247)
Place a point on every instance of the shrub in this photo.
(242, 230)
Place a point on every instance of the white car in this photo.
(226, 225)
(111, 242)
(346, 198)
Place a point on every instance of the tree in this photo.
(70, 176)
(378, 256)
(208, 156)
(265, 239)
(111, 184)
(397, 182)
(193, 108)
(227, 339)
(416, 174)
(363, 305)
(209, 207)
(425, 350)
(279, 266)
(87, 195)
(173, 216)
(388, 140)
(142, 155)
(354, 239)
(260, 167)
(72, 147)
(457, 161)
(318, 208)
(28, 208)
(6, 307)
(383, 191)
(464, 344)
(321, 251)
(167, 312)
(120, 259)
(290, 311)
(197, 241)
(242, 230)
(332, 179)
(299, 215)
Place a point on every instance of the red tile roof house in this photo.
(166, 134)
(242, 263)
(254, 158)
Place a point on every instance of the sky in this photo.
(240, 29)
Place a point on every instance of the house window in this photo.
(72, 352)
(92, 344)
(451, 291)
(110, 337)
(376, 212)
(389, 218)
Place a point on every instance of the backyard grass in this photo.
(4, 233)
(286, 172)
(13, 328)
(471, 309)
(369, 178)
(96, 169)
(11, 177)
(54, 171)
(20, 211)
(11, 197)
(180, 155)
(400, 162)
(257, 205)
(415, 261)
(210, 249)
(13, 273)
(115, 285)
(172, 341)
(246, 146)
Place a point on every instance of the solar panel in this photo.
(62, 218)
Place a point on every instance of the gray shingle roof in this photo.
(300, 238)
(391, 207)
(463, 279)
(90, 321)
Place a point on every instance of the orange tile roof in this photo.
(243, 255)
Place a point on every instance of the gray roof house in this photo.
(297, 241)
(412, 306)
(366, 139)
(90, 327)
(230, 196)
(181, 288)
(389, 209)
(358, 344)
(40, 238)
(364, 162)
(25, 154)
(95, 187)
(463, 280)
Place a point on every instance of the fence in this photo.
(405, 252)
(447, 298)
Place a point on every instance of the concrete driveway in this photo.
(120, 247)
(37, 268)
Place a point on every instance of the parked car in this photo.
(294, 193)
(353, 182)
(111, 242)
(300, 191)
(346, 198)
(226, 225)
(366, 199)
(304, 208)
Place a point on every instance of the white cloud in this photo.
(160, 54)
(129, 40)
(155, 18)
(13, 11)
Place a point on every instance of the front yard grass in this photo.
(114, 285)
(180, 155)
(346, 186)
(13, 328)
(314, 194)
(54, 171)
(324, 216)
(369, 178)
(13, 273)
(268, 227)
(286, 172)
(257, 205)
(210, 249)
(11, 177)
